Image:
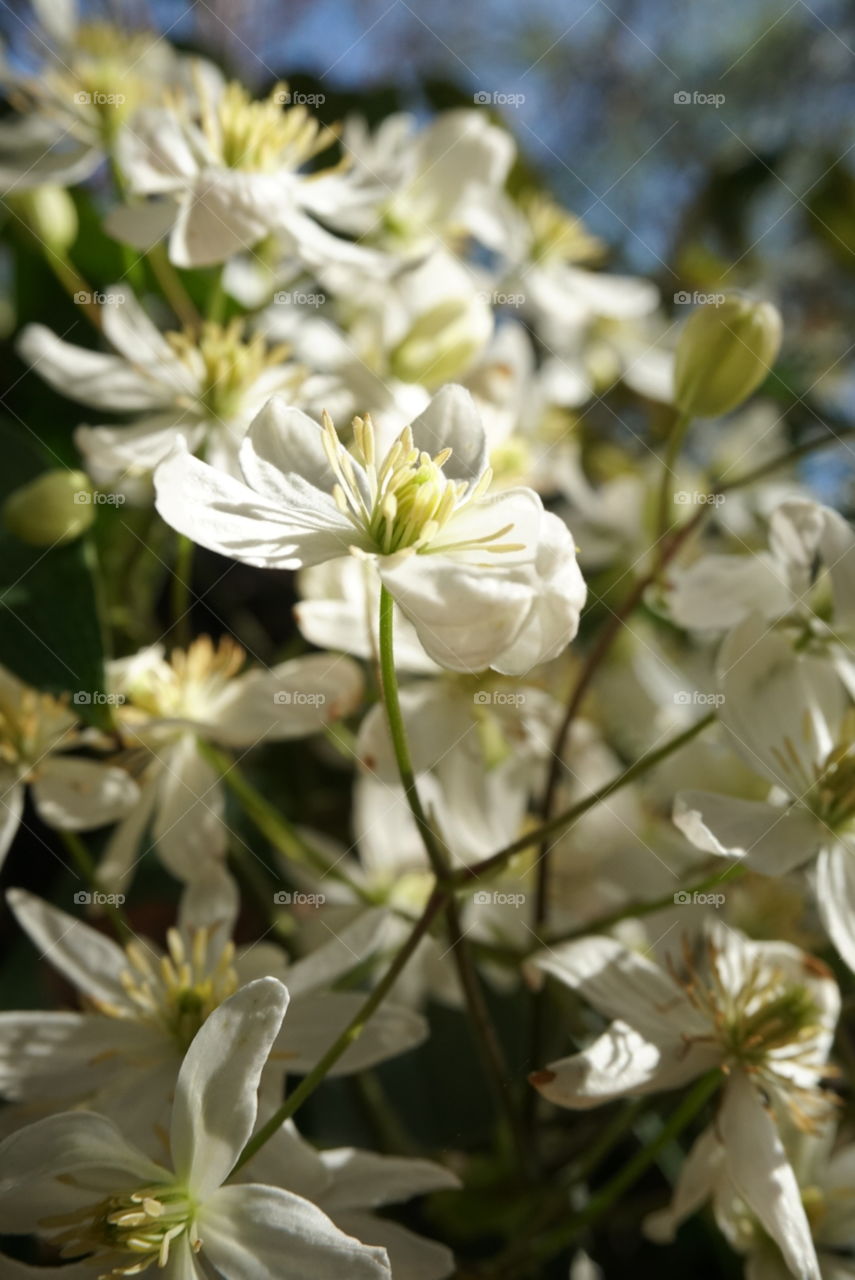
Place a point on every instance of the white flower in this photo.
(199, 695)
(789, 716)
(719, 591)
(422, 189)
(204, 388)
(487, 580)
(142, 1008)
(763, 1012)
(827, 1185)
(75, 1178)
(72, 793)
(229, 171)
(93, 76)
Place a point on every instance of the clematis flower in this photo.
(789, 716)
(228, 171)
(76, 1180)
(762, 1012)
(142, 1008)
(486, 580)
(72, 793)
(202, 387)
(825, 1175)
(168, 706)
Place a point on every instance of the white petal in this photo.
(761, 1173)
(283, 458)
(11, 808)
(224, 214)
(292, 700)
(248, 1230)
(719, 591)
(78, 794)
(215, 1096)
(695, 1184)
(82, 955)
(189, 828)
(451, 421)
(364, 1179)
(226, 516)
(464, 616)
(835, 897)
(771, 840)
(155, 154)
(411, 1256)
(350, 947)
(315, 1022)
(620, 1063)
(90, 377)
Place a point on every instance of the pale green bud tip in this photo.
(723, 355)
(50, 214)
(55, 507)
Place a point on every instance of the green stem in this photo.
(85, 864)
(173, 287)
(669, 466)
(488, 1042)
(465, 875)
(351, 1033)
(690, 1106)
(216, 307)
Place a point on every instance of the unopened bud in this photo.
(723, 355)
(50, 214)
(56, 507)
(439, 346)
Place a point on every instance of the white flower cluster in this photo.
(365, 355)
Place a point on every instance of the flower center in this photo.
(129, 1233)
(258, 136)
(186, 685)
(832, 798)
(409, 500)
(225, 364)
(30, 728)
(176, 992)
(556, 235)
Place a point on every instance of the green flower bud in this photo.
(439, 346)
(55, 507)
(723, 355)
(50, 214)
